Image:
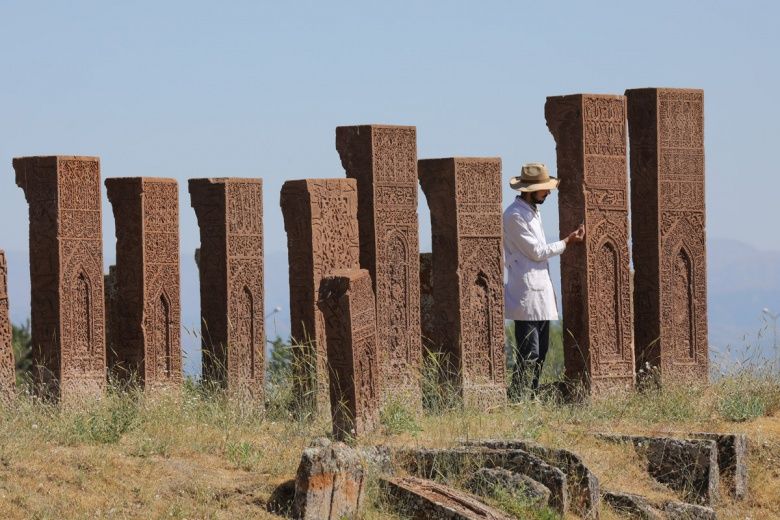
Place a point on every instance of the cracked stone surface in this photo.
(425, 499)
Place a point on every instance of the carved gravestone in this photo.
(590, 137)
(346, 299)
(6, 335)
(427, 319)
(66, 273)
(145, 335)
(666, 128)
(464, 196)
(113, 315)
(230, 266)
(320, 218)
(383, 160)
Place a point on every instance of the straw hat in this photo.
(533, 177)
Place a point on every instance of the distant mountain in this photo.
(741, 280)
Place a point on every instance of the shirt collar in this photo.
(534, 208)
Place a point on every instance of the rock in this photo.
(732, 461)
(469, 459)
(486, 479)
(424, 499)
(684, 511)
(583, 486)
(329, 483)
(689, 466)
(632, 506)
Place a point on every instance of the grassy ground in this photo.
(197, 454)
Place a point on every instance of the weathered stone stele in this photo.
(144, 339)
(230, 266)
(590, 136)
(666, 128)
(427, 318)
(66, 273)
(464, 196)
(320, 218)
(383, 160)
(346, 300)
(6, 336)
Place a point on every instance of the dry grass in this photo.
(193, 453)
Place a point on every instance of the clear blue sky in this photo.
(255, 89)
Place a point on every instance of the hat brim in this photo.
(516, 185)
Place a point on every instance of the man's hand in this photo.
(578, 235)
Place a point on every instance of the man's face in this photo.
(538, 197)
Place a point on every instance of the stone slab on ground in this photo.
(732, 460)
(583, 486)
(426, 462)
(684, 511)
(689, 466)
(632, 506)
(485, 479)
(428, 500)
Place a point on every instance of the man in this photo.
(530, 298)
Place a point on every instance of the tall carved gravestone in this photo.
(666, 128)
(320, 218)
(113, 313)
(145, 335)
(346, 299)
(427, 310)
(383, 160)
(66, 273)
(464, 196)
(590, 137)
(230, 263)
(7, 374)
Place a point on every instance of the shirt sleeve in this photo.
(527, 242)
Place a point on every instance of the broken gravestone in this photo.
(425, 499)
(582, 484)
(486, 479)
(689, 466)
(427, 463)
(330, 482)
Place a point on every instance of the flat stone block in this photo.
(486, 479)
(425, 499)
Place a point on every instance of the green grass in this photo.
(198, 452)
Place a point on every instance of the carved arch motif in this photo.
(479, 359)
(162, 335)
(397, 258)
(82, 314)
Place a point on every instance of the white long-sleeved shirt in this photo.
(529, 293)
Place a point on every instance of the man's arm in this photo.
(520, 234)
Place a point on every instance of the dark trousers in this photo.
(533, 340)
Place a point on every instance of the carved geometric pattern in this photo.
(666, 128)
(320, 218)
(66, 273)
(464, 196)
(144, 338)
(230, 263)
(346, 300)
(590, 137)
(7, 375)
(383, 160)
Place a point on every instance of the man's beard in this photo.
(538, 201)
